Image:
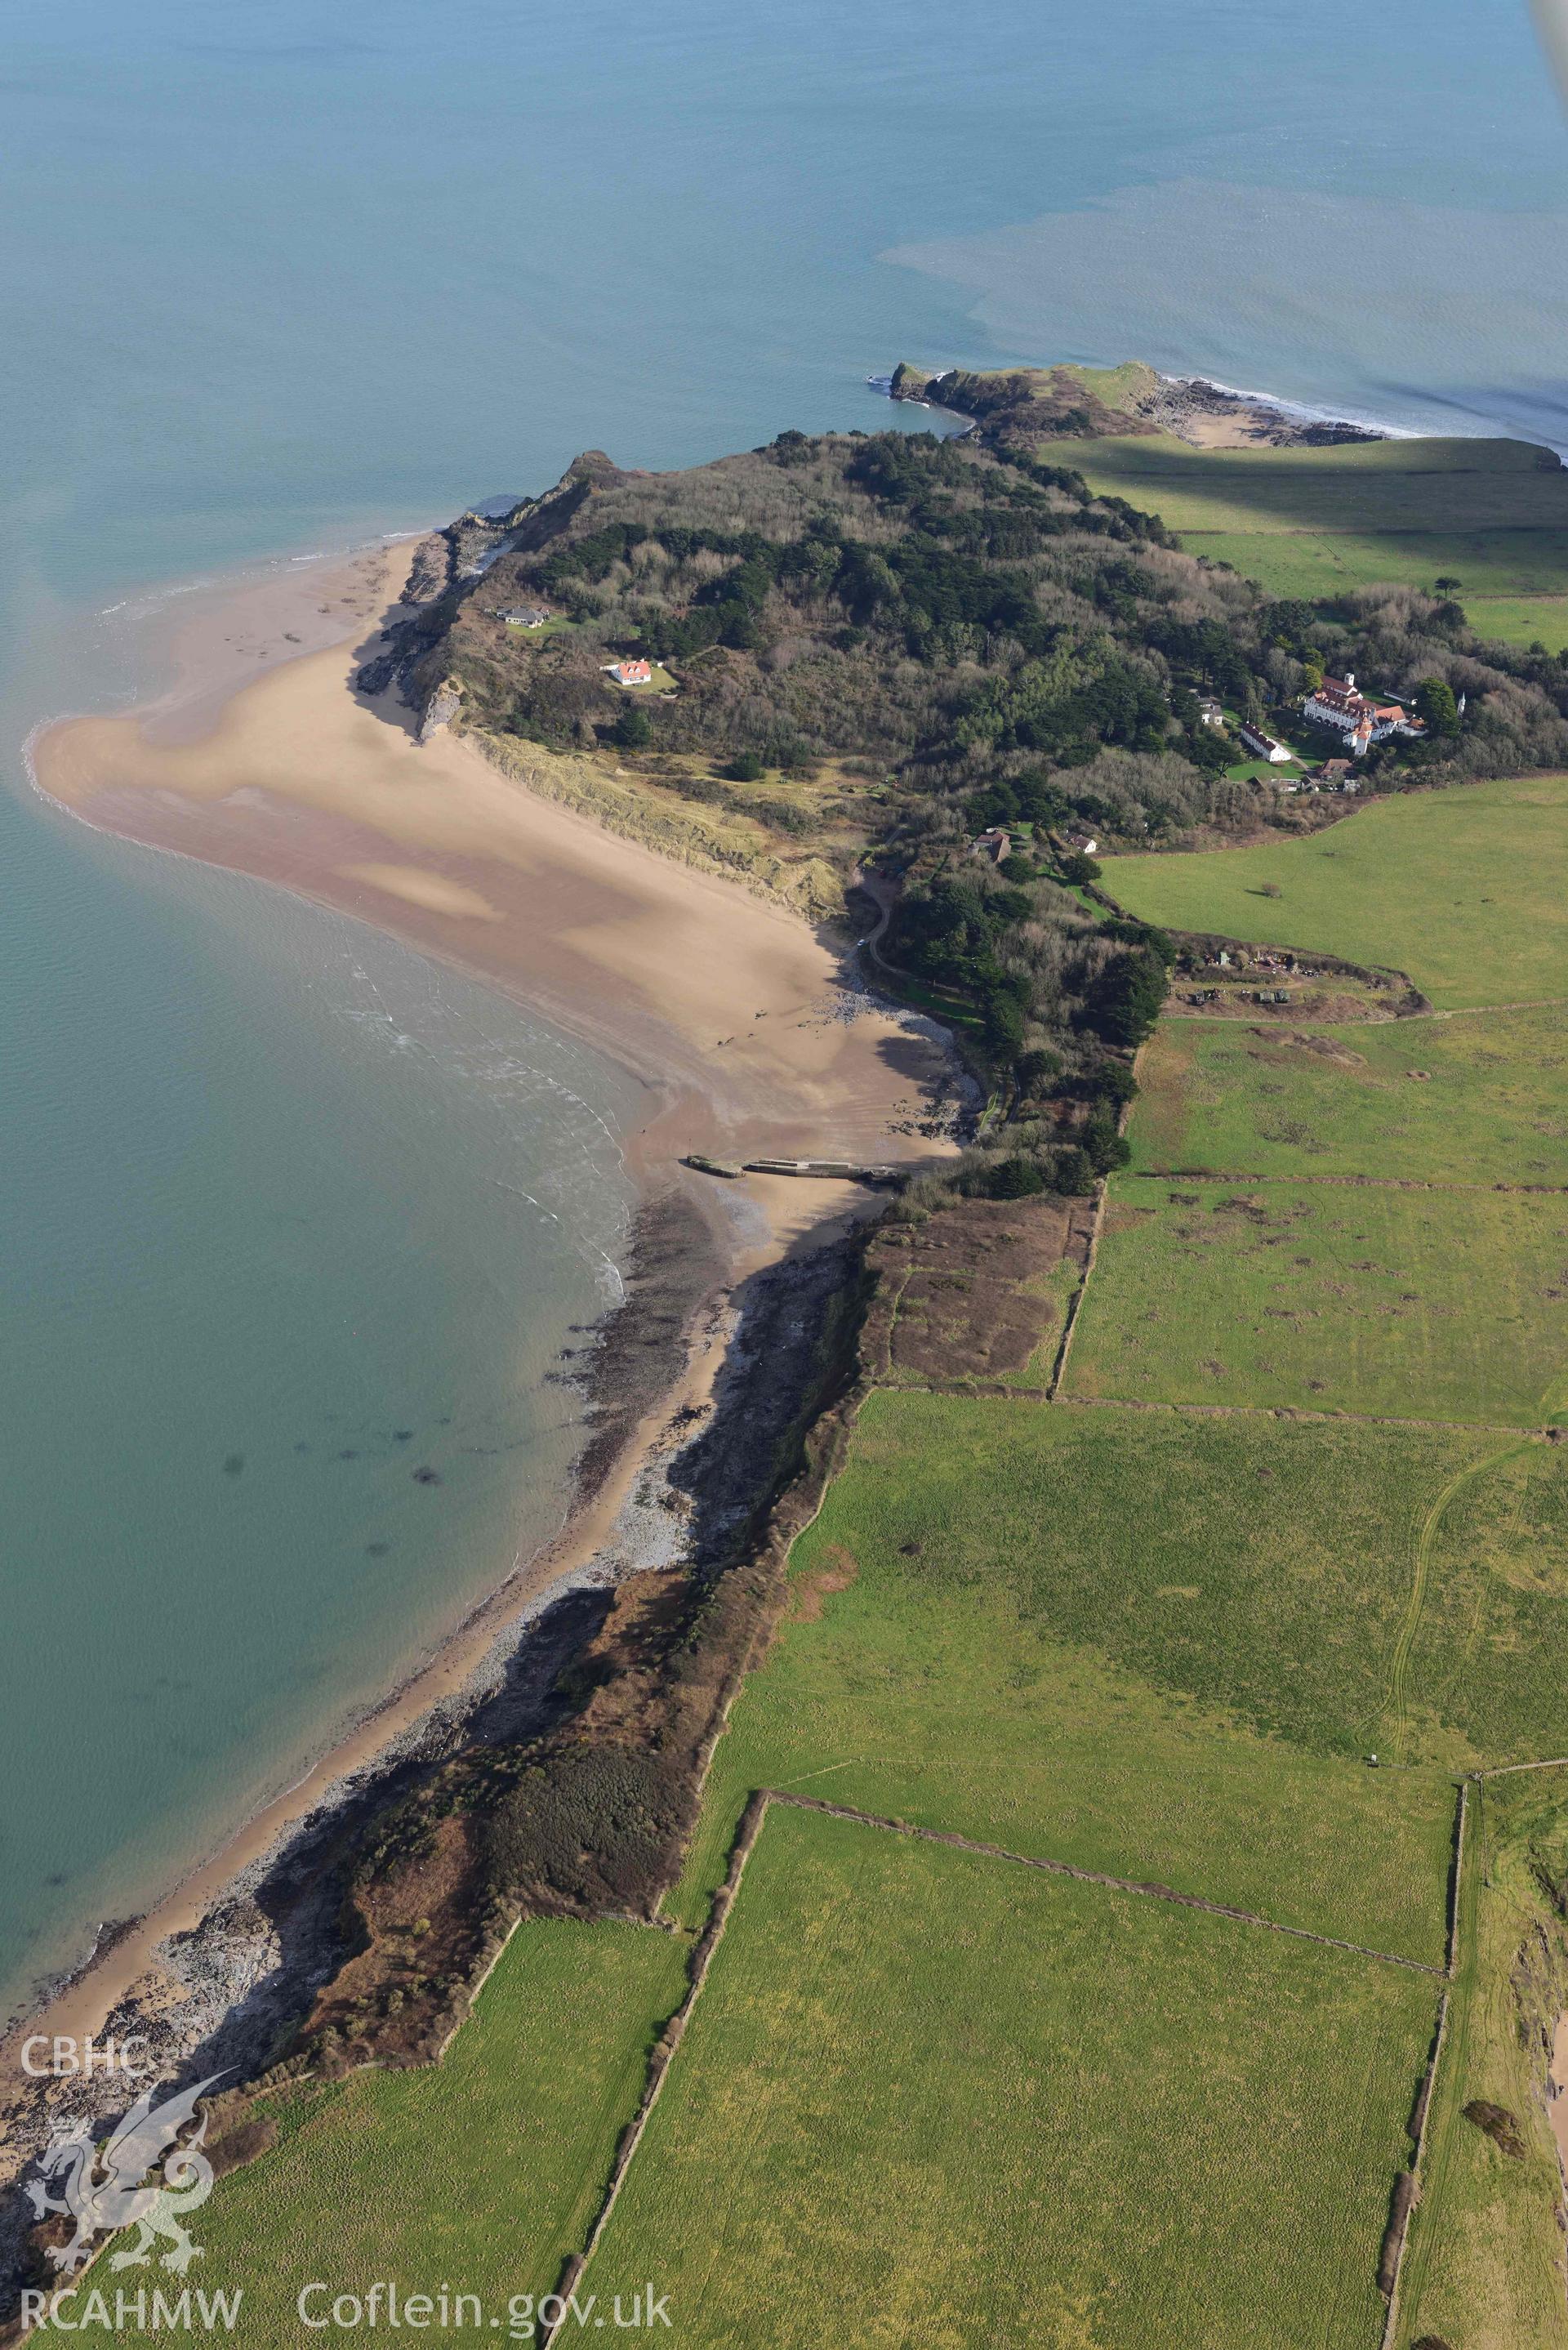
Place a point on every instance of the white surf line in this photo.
(582, 1246)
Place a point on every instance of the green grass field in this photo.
(1484, 2263)
(1251, 771)
(1312, 523)
(1161, 1648)
(1482, 1639)
(1467, 890)
(481, 2173)
(1415, 1303)
(557, 625)
(1270, 1572)
(1521, 619)
(1512, 581)
(929, 2096)
(1482, 1099)
(1433, 487)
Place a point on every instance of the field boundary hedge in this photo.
(1406, 2192)
(1149, 1889)
(659, 2062)
(1069, 1328)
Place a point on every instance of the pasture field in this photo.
(1465, 890)
(1312, 523)
(1484, 2263)
(1412, 1303)
(1304, 1580)
(482, 2172)
(1481, 1099)
(1429, 485)
(1511, 583)
(1160, 1645)
(928, 2096)
(1482, 1641)
(1521, 619)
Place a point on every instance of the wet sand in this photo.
(730, 1010)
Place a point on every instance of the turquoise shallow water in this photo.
(278, 278)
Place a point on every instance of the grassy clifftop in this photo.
(1040, 402)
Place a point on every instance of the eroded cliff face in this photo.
(449, 564)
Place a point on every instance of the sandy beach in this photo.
(730, 1004)
(735, 1015)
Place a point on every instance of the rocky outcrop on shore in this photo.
(1208, 415)
(441, 709)
(1020, 405)
(627, 1664)
(1014, 406)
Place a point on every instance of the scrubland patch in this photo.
(978, 1289)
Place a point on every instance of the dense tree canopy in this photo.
(999, 646)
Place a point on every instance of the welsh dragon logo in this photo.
(107, 2189)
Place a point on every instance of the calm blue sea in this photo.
(272, 1190)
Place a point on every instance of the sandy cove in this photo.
(727, 1003)
(732, 1010)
